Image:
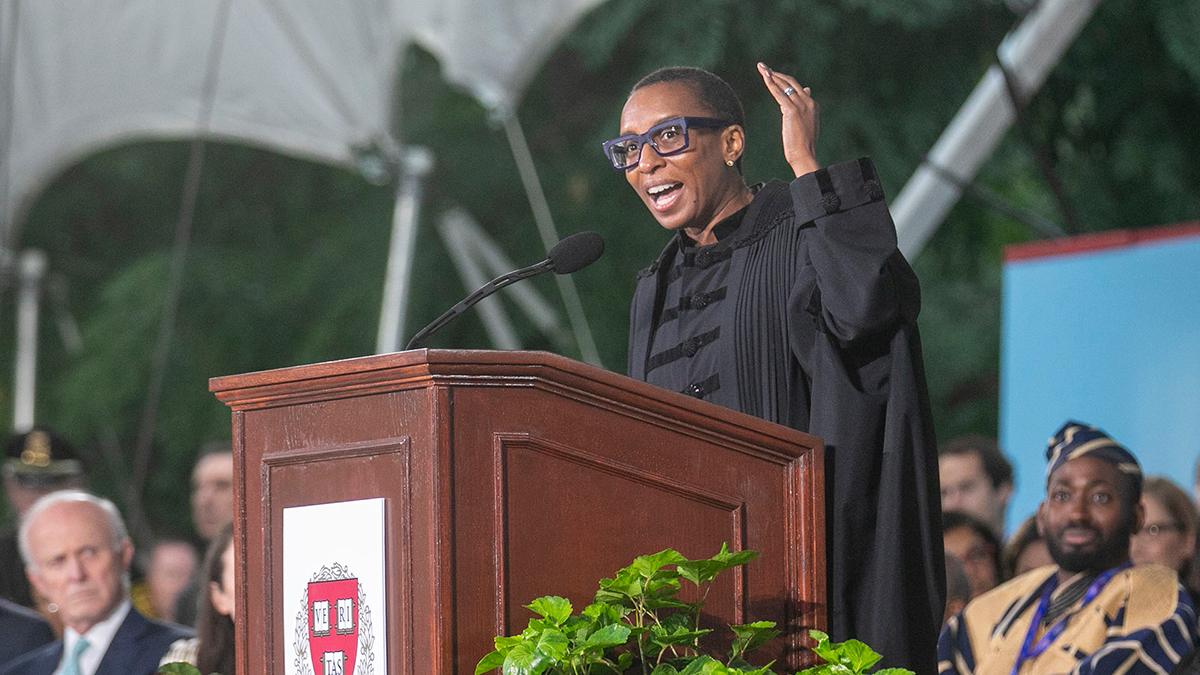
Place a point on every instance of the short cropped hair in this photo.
(997, 467)
(116, 525)
(711, 91)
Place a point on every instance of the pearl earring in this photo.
(729, 162)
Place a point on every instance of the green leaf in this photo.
(178, 668)
(489, 662)
(701, 664)
(553, 645)
(665, 602)
(735, 558)
(647, 565)
(552, 607)
(604, 613)
(679, 636)
(505, 643)
(627, 584)
(828, 652)
(700, 571)
(894, 671)
(662, 583)
(751, 636)
(524, 659)
(609, 636)
(857, 655)
(614, 598)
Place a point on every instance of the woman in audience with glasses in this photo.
(1168, 537)
(791, 302)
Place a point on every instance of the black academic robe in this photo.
(804, 313)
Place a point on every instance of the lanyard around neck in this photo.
(1029, 650)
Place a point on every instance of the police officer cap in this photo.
(41, 458)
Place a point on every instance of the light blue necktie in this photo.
(73, 662)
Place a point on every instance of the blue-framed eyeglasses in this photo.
(668, 138)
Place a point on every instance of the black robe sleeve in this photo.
(852, 315)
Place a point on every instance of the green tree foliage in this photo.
(287, 257)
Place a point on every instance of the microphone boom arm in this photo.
(487, 289)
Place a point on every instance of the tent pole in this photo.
(415, 165)
(32, 271)
(545, 224)
(1028, 53)
(455, 229)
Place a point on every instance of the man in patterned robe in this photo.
(1093, 613)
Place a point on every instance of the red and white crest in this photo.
(334, 626)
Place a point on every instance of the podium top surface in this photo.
(421, 368)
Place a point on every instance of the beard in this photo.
(1105, 553)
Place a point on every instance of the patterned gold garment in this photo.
(1141, 621)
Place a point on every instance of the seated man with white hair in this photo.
(77, 555)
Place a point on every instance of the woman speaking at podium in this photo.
(791, 302)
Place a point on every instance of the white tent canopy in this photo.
(304, 77)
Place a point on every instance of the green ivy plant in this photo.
(637, 623)
(846, 658)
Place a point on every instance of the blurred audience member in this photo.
(1025, 551)
(958, 587)
(212, 490)
(23, 630)
(78, 553)
(1094, 612)
(975, 545)
(36, 463)
(212, 649)
(173, 563)
(212, 509)
(976, 479)
(1168, 537)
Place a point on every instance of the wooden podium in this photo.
(511, 475)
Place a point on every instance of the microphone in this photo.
(569, 255)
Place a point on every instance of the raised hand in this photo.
(799, 119)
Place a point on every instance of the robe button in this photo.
(874, 190)
(703, 260)
(689, 348)
(830, 201)
(700, 301)
(693, 390)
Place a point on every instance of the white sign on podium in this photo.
(334, 599)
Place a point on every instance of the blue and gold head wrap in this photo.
(1076, 439)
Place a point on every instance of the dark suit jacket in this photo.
(23, 630)
(135, 650)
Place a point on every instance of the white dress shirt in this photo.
(99, 637)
